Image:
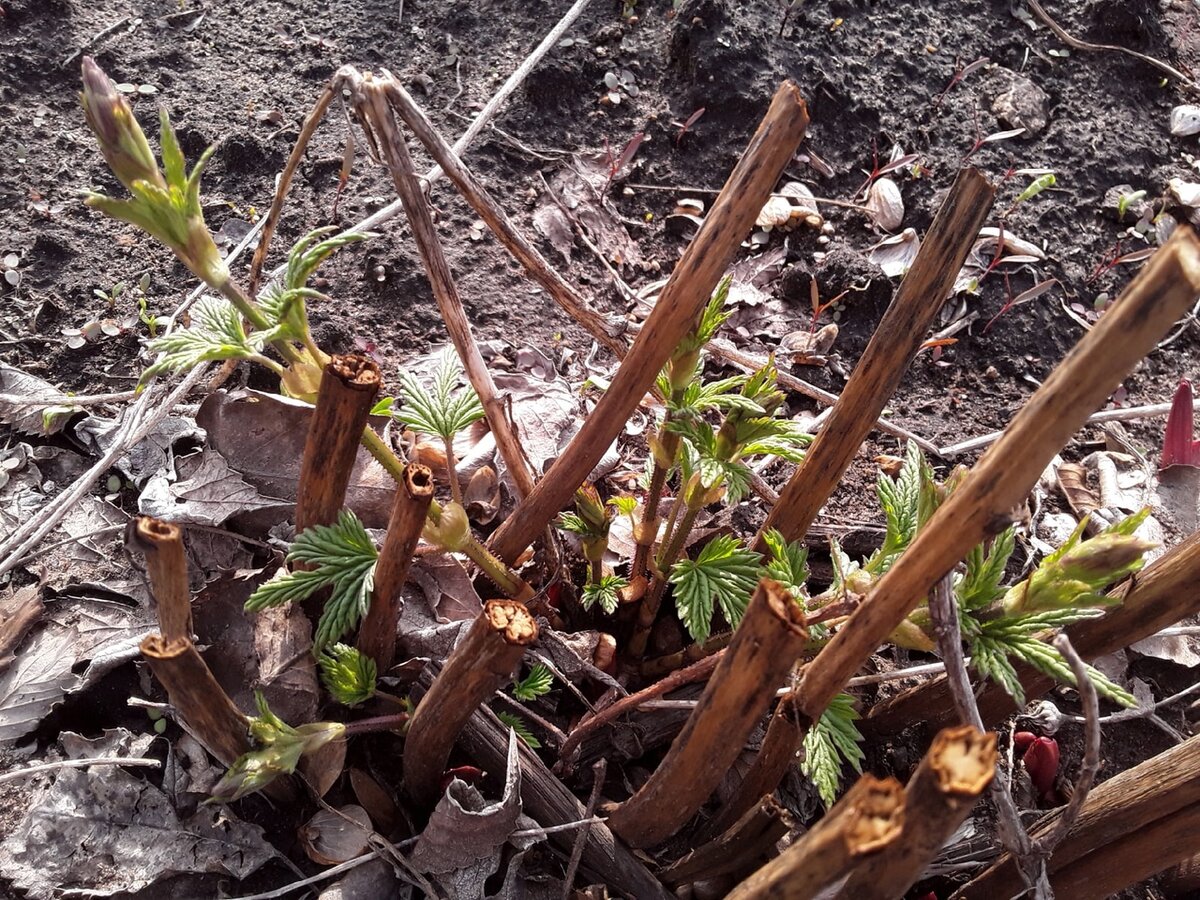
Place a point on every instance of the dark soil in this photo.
(245, 75)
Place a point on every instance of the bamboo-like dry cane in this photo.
(1137, 856)
(482, 663)
(865, 821)
(197, 697)
(1117, 810)
(982, 504)
(1162, 594)
(689, 288)
(166, 564)
(785, 731)
(349, 385)
(769, 638)
(377, 635)
(739, 850)
(390, 143)
(953, 775)
(606, 332)
(894, 344)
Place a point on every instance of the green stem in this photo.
(597, 572)
(377, 723)
(452, 468)
(653, 599)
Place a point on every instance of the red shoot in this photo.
(1179, 445)
(1041, 762)
(469, 774)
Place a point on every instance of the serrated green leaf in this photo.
(572, 523)
(832, 742)
(517, 724)
(215, 334)
(341, 556)
(900, 499)
(724, 572)
(348, 674)
(605, 593)
(980, 586)
(537, 683)
(442, 412)
(788, 563)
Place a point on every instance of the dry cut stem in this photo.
(377, 636)
(689, 288)
(197, 697)
(864, 822)
(1159, 596)
(894, 344)
(389, 142)
(770, 637)
(951, 778)
(1161, 789)
(349, 386)
(166, 563)
(482, 663)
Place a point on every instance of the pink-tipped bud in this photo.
(121, 139)
(1041, 762)
(1179, 446)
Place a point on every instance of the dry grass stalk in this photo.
(393, 149)
(739, 850)
(893, 345)
(1162, 292)
(1129, 804)
(1155, 598)
(607, 333)
(349, 386)
(166, 564)
(482, 663)
(770, 636)
(377, 635)
(869, 818)
(197, 697)
(680, 303)
(953, 775)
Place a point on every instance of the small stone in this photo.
(1023, 105)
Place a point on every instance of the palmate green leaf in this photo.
(711, 319)
(605, 593)
(702, 396)
(980, 586)
(216, 333)
(536, 684)
(788, 563)
(443, 411)
(572, 524)
(341, 556)
(517, 724)
(348, 674)
(832, 742)
(724, 572)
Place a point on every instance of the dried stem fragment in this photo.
(166, 564)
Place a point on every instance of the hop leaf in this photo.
(724, 571)
(789, 562)
(537, 683)
(347, 674)
(900, 500)
(216, 333)
(832, 742)
(443, 412)
(980, 586)
(517, 724)
(341, 556)
(605, 593)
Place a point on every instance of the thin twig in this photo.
(17, 774)
(1091, 750)
(599, 768)
(1077, 44)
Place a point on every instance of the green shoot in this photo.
(342, 557)
(1039, 184)
(347, 674)
(517, 724)
(1127, 200)
(605, 593)
(788, 564)
(216, 333)
(832, 742)
(536, 684)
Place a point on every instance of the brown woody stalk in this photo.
(893, 345)
(1153, 599)
(373, 107)
(1121, 808)
(769, 638)
(349, 385)
(496, 219)
(197, 697)
(865, 821)
(166, 564)
(739, 850)
(784, 734)
(955, 772)
(377, 636)
(1162, 292)
(482, 663)
(688, 290)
